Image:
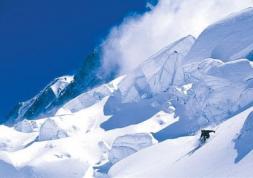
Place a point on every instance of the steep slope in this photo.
(70, 145)
(227, 154)
(217, 91)
(140, 91)
(90, 75)
(90, 97)
(228, 39)
(157, 73)
(41, 102)
(162, 82)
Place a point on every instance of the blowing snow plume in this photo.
(138, 37)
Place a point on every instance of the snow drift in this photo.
(228, 39)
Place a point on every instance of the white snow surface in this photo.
(69, 145)
(91, 97)
(228, 39)
(61, 83)
(126, 145)
(184, 157)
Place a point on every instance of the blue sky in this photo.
(40, 40)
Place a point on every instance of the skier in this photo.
(205, 134)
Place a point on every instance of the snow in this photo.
(26, 126)
(216, 158)
(243, 143)
(11, 139)
(50, 130)
(157, 73)
(209, 100)
(126, 145)
(61, 83)
(91, 97)
(40, 102)
(163, 69)
(236, 71)
(228, 39)
(73, 142)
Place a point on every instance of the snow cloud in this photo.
(138, 37)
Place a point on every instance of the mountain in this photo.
(90, 75)
(46, 103)
(145, 123)
(40, 102)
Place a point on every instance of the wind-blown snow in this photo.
(139, 37)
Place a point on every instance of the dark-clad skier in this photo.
(205, 134)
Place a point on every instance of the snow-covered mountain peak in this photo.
(61, 83)
(63, 89)
(40, 102)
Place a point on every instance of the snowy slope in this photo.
(227, 39)
(227, 154)
(158, 72)
(218, 90)
(40, 102)
(63, 89)
(91, 97)
(70, 141)
(49, 153)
